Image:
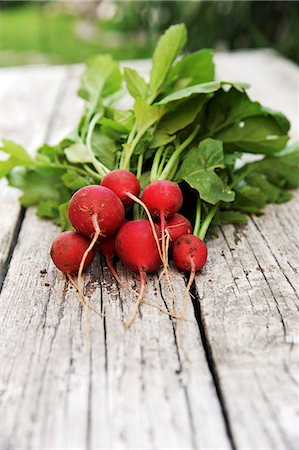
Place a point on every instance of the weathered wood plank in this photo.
(61, 390)
(28, 98)
(67, 386)
(249, 296)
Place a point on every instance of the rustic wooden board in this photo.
(249, 306)
(73, 380)
(70, 383)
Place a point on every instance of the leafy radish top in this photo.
(184, 127)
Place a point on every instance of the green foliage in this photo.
(184, 126)
(168, 49)
(198, 170)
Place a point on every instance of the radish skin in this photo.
(176, 226)
(136, 247)
(91, 200)
(122, 182)
(189, 253)
(67, 251)
(95, 211)
(163, 199)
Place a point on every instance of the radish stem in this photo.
(198, 217)
(90, 247)
(206, 223)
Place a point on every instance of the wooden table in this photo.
(71, 380)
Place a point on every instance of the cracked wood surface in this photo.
(253, 306)
(73, 380)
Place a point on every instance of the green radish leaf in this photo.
(143, 145)
(18, 157)
(198, 67)
(113, 124)
(146, 115)
(145, 179)
(208, 156)
(281, 169)
(203, 88)
(250, 200)
(177, 119)
(279, 118)
(230, 159)
(64, 220)
(104, 148)
(161, 138)
(210, 187)
(136, 85)
(52, 154)
(101, 78)
(73, 181)
(233, 217)
(125, 118)
(48, 209)
(258, 134)
(15, 150)
(244, 125)
(198, 170)
(227, 108)
(39, 185)
(273, 194)
(167, 50)
(78, 153)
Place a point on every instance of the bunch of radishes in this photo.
(97, 212)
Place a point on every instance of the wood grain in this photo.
(249, 308)
(73, 380)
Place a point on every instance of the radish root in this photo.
(185, 304)
(81, 267)
(139, 299)
(90, 247)
(162, 252)
(82, 298)
(117, 277)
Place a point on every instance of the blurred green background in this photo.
(69, 31)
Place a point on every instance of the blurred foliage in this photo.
(68, 32)
(221, 24)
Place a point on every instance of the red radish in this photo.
(163, 199)
(189, 253)
(122, 182)
(95, 211)
(177, 226)
(136, 247)
(67, 251)
(98, 202)
(106, 246)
